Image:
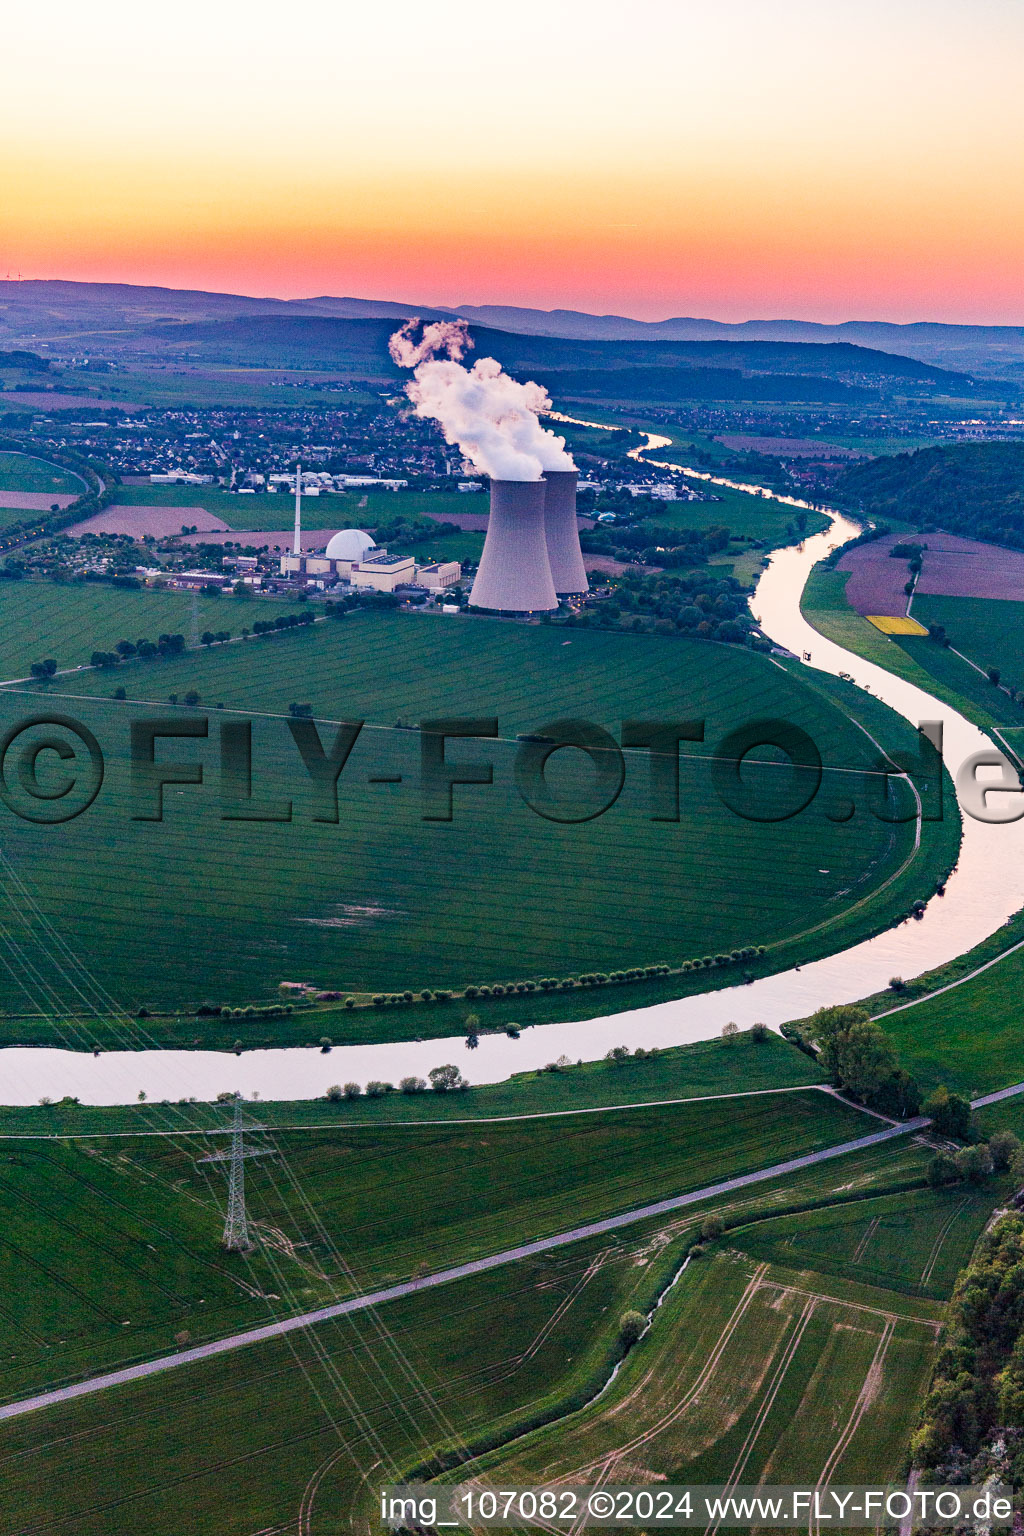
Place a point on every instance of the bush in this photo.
(352, 1091)
(325, 1043)
(942, 1170)
(949, 1113)
(334, 1094)
(377, 1090)
(1003, 1146)
(711, 1227)
(631, 1326)
(974, 1163)
(446, 1079)
(412, 1085)
(759, 1033)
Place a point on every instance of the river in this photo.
(986, 888)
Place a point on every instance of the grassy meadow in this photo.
(307, 1429)
(40, 619)
(21, 472)
(989, 631)
(970, 1037)
(362, 905)
(120, 1237)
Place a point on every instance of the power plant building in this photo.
(561, 532)
(384, 572)
(514, 575)
(531, 554)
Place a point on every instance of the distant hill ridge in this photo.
(329, 339)
(49, 308)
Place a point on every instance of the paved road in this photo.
(444, 1276)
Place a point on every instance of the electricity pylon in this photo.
(236, 1226)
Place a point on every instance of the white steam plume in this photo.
(449, 336)
(492, 418)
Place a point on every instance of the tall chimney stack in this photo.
(514, 574)
(297, 546)
(562, 532)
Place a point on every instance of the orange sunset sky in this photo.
(733, 158)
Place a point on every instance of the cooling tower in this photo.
(562, 532)
(514, 574)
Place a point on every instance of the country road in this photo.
(446, 1276)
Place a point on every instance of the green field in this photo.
(953, 677)
(120, 1237)
(179, 385)
(388, 900)
(243, 1444)
(750, 1374)
(914, 1243)
(19, 472)
(247, 1442)
(40, 619)
(989, 631)
(970, 1037)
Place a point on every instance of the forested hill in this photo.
(361, 345)
(973, 489)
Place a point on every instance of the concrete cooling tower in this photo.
(562, 532)
(514, 574)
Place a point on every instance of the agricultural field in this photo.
(40, 619)
(279, 388)
(751, 1373)
(989, 631)
(121, 1235)
(952, 675)
(970, 1037)
(752, 517)
(294, 1429)
(350, 908)
(914, 1243)
(919, 660)
(303, 1430)
(274, 510)
(20, 472)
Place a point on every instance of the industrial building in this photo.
(384, 572)
(442, 574)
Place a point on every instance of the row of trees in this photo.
(283, 621)
(446, 1079)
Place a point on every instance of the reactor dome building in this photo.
(349, 544)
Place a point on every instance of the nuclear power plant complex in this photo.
(531, 555)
